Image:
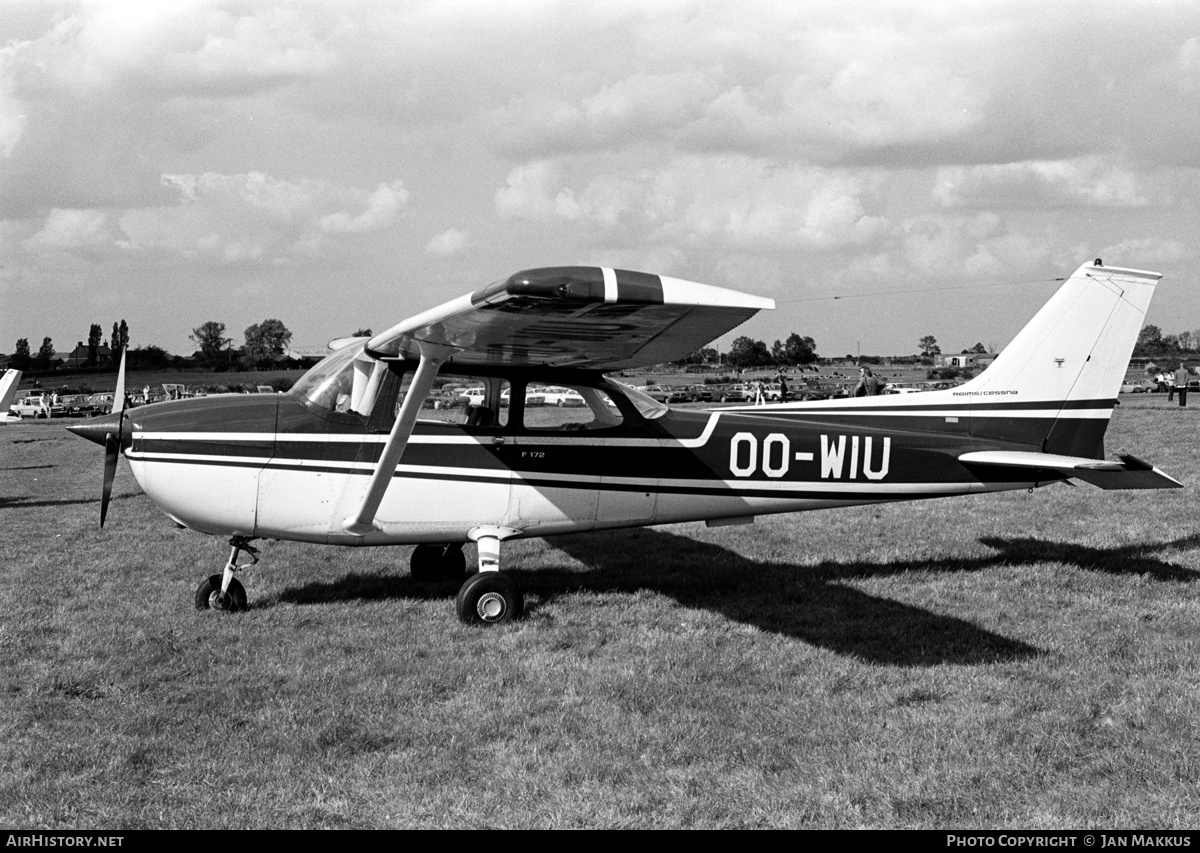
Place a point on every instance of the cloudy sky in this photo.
(934, 165)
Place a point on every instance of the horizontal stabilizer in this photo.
(1126, 472)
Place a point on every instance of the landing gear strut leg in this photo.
(224, 592)
(490, 597)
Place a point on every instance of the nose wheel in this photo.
(225, 593)
(210, 597)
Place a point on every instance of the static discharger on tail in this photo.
(490, 418)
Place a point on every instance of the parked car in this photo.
(37, 406)
(534, 396)
(738, 394)
(1132, 388)
(102, 403)
(451, 399)
(554, 395)
(654, 392)
(474, 395)
(78, 405)
(807, 389)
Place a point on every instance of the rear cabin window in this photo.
(569, 408)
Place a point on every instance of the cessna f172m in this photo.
(435, 432)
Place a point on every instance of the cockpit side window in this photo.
(470, 401)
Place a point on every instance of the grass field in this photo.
(1028, 660)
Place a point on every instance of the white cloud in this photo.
(381, 209)
(1146, 252)
(255, 217)
(12, 110)
(527, 192)
(1088, 181)
(734, 201)
(449, 242)
(1189, 65)
(72, 229)
(188, 46)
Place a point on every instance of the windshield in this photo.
(330, 382)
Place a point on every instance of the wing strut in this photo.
(363, 521)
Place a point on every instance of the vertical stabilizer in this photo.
(8, 389)
(1068, 362)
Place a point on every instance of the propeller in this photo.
(112, 442)
(108, 431)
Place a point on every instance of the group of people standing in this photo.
(869, 385)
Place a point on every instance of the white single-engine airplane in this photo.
(490, 418)
(8, 392)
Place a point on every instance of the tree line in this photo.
(798, 350)
(1153, 343)
(24, 359)
(264, 343)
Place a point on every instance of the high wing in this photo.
(587, 317)
(582, 317)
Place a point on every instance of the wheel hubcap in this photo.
(218, 600)
(491, 607)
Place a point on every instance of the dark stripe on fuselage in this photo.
(801, 490)
(796, 450)
(973, 404)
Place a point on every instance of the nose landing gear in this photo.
(223, 592)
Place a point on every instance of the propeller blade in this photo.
(119, 395)
(112, 442)
(112, 449)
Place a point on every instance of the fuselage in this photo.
(292, 466)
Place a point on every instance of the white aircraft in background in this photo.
(8, 392)
(406, 438)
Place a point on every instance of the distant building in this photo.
(79, 357)
(308, 356)
(965, 360)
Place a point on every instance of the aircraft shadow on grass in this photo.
(23, 502)
(808, 603)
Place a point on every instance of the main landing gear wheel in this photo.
(490, 598)
(432, 563)
(209, 596)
